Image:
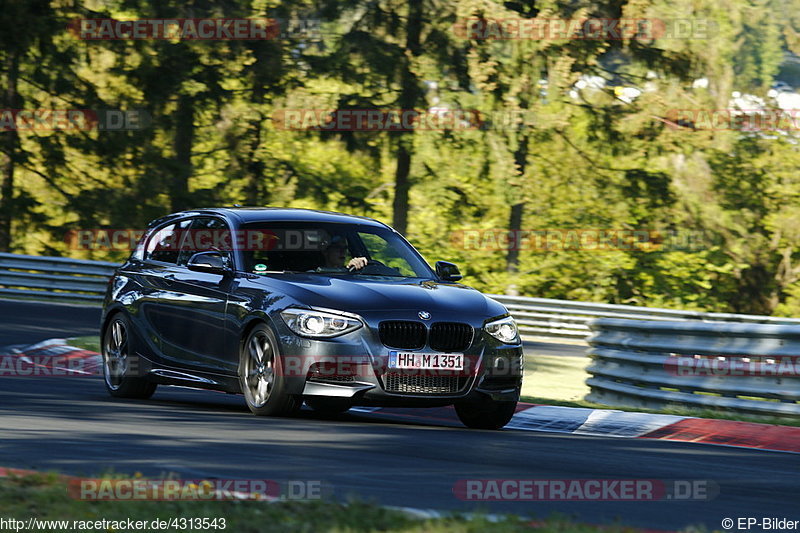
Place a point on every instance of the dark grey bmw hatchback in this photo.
(287, 306)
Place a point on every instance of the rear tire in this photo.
(261, 375)
(120, 366)
(329, 406)
(485, 413)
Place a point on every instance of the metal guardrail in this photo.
(64, 278)
(546, 317)
(54, 278)
(746, 368)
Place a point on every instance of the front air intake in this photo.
(450, 336)
(402, 334)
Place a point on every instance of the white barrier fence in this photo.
(73, 279)
(56, 278)
(746, 368)
(544, 317)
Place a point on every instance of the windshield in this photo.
(330, 249)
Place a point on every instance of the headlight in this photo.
(310, 323)
(504, 330)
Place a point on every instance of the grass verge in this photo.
(91, 343)
(558, 378)
(45, 497)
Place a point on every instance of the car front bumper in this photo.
(355, 366)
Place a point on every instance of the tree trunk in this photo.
(515, 218)
(10, 148)
(267, 72)
(757, 291)
(254, 169)
(514, 226)
(184, 138)
(401, 184)
(410, 94)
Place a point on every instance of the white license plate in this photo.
(426, 361)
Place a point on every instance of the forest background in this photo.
(555, 138)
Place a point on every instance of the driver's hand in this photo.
(357, 263)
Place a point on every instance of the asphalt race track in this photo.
(72, 426)
(31, 322)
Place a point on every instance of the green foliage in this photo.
(45, 497)
(569, 155)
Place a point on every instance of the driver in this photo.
(336, 253)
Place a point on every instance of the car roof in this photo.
(246, 215)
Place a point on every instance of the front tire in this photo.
(485, 413)
(261, 375)
(119, 363)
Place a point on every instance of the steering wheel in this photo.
(377, 268)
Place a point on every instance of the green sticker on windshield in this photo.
(261, 267)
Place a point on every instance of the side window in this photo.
(164, 245)
(206, 234)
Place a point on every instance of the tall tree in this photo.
(378, 53)
(34, 23)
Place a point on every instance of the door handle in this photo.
(169, 278)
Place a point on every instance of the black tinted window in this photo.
(164, 245)
(206, 234)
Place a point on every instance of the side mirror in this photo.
(209, 262)
(447, 271)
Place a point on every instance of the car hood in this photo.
(363, 294)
